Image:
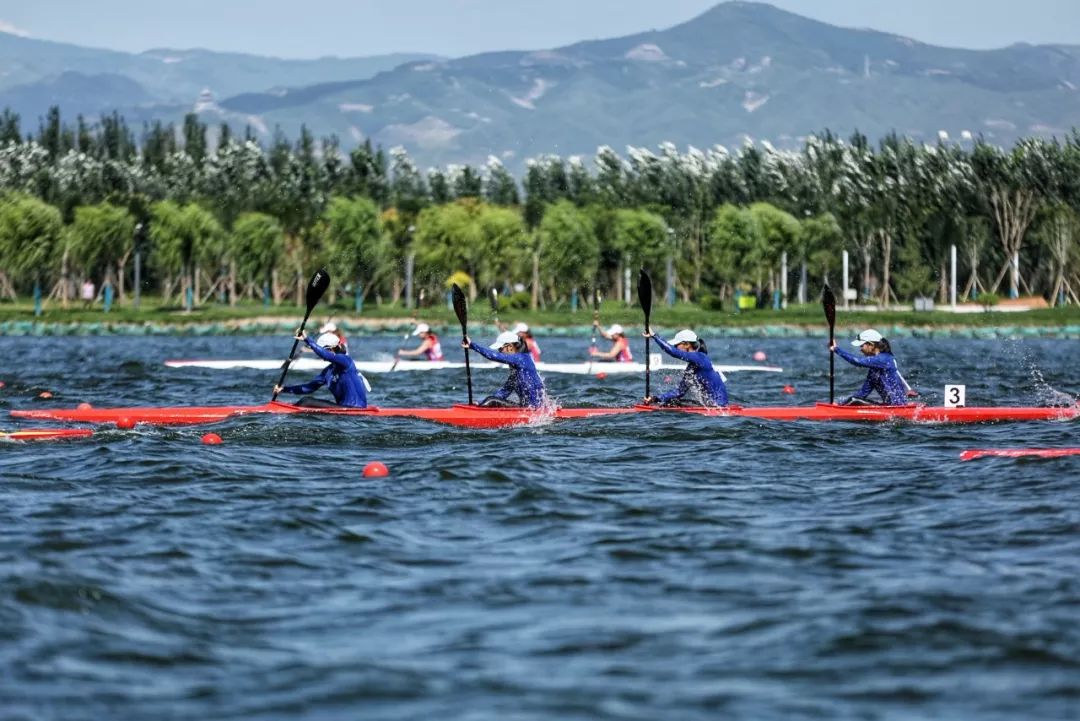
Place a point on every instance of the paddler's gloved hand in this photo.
(465, 342)
(650, 400)
(832, 347)
(278, 390)
(300, 335)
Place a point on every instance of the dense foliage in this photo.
(198, 203)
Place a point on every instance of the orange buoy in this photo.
(125, 423)
(376, 469)
(45, 394)
(84, 406)
(601, 376)
(211, 439)
(2, 384)
(789, 389)
(760, 356)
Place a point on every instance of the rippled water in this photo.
(617, 568)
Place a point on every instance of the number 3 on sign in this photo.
(955, 396)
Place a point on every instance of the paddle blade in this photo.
(461, 308)
(644, 294)
(317, 287)
(828, 302)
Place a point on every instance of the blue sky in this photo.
(289, 28)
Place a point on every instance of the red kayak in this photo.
(976, 453)
(476, 417)
(915, 413)
(458, 415)
(46, 434)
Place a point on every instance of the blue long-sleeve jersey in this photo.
(884, 377)
(699, 375)
(523, 379)
(341, 376)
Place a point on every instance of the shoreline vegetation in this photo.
(90, 210)
(153, 318)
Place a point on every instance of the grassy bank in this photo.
(152, 311)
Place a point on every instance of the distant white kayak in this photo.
(581, 369)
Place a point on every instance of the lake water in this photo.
(632, 567)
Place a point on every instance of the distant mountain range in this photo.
(740, 70)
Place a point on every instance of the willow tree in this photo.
(30, 231)
(470, 236)
(256, 246)
(183, 237)
(100, 240)
(355, 239)
(569, 252)
(736, 252)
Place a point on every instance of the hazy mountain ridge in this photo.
(740, 70)
(31, 70)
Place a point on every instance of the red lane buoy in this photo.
(2, 384)
(45, 394)
(789, 389)
(760, 356)
(211, 439)
(376, 469)
(601, 376)
(125, 423)
(84, 406)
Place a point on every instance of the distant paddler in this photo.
(620, 349)
(331, 327)
(523, 381)
(341, 376)
(700, 384)
(429, 346)
(525, 336)
(884, 375)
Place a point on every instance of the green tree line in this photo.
(214, 214)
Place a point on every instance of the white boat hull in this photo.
(582, 369)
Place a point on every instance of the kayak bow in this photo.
(976, 453)
(46, 434)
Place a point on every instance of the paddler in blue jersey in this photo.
(345, 382)
(524, 381)
(699, 378)
(883, 377)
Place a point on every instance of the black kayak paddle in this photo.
(828, 302)
(461, 309)
(644, 293)
(315, 290)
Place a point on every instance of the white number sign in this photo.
(955, 396)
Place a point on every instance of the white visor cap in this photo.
(684, 336)
(867, 336)
(507, 337)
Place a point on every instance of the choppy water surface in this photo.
(617, 568)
